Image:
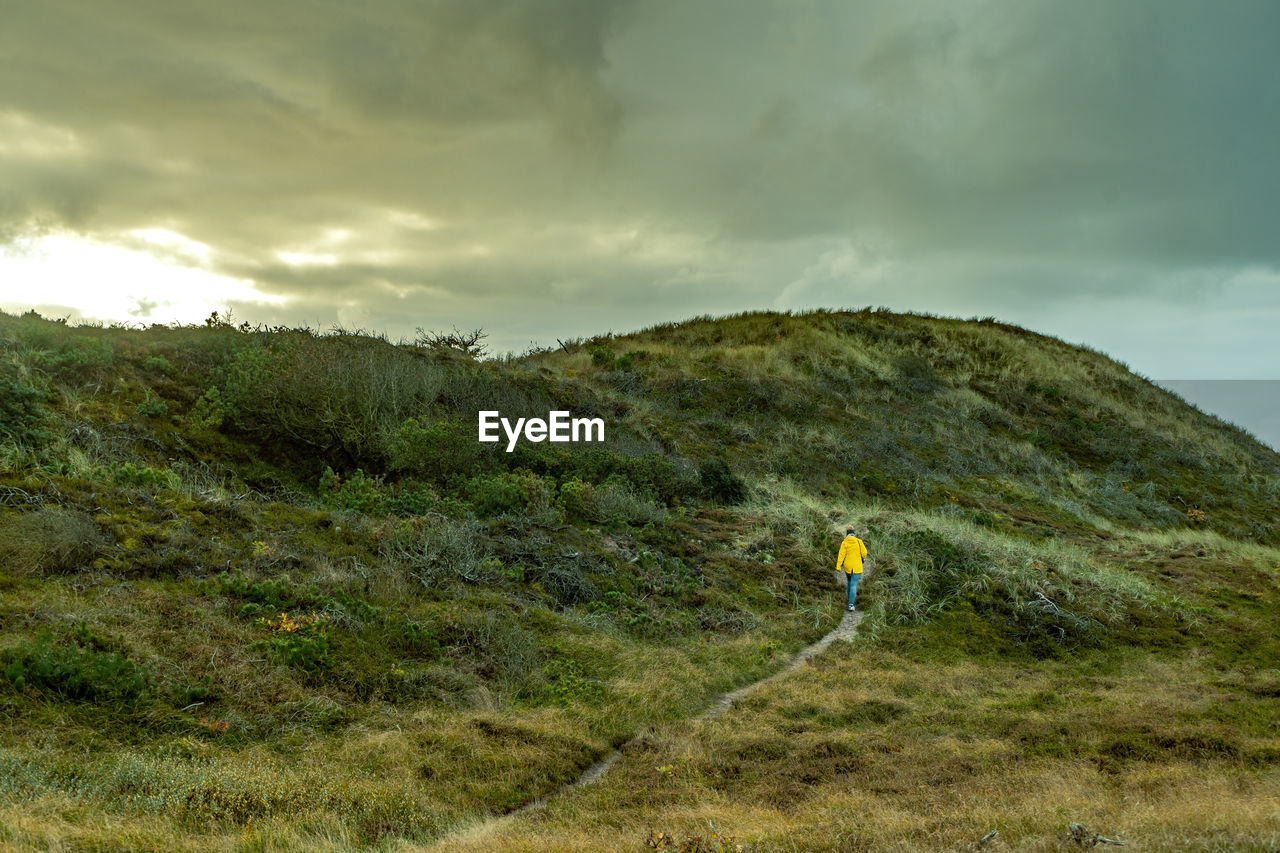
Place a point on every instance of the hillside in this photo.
(263, 589)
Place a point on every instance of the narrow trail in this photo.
(847, 628)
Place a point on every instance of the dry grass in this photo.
(50, 540)
(863, 751)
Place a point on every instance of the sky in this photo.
(1101, 171)
(1253, 404)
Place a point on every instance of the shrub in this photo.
(152, 407)
(944, 563)
(437, 551)
(128, 474)
(298, 641)
(539, 498)
(276, 593)
(628, 361)
(1135, 504)
(49, 540)
(601, 355)
(651, 475)
(344, 393)
(464, 342)
(81, 359)
(616, 503)
(578, 499)
(567, 684)
(156, 364)
(917, 373)
(1046, 601)
(497, 494)
(358, 492)
(283, 594)
(409, 499)
(669, 576)
(516, 491)
(658, 478)
(436, 450)
(413, 638)
(720, 483)
(22, 413)
(72, 673)
(209, 411)
(1043, 625)
(567, 584)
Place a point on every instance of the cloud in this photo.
(611, 163)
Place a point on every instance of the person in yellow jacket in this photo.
(852, 552)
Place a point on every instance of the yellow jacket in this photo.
(852, 550)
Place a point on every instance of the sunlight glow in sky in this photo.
(160, 281)
(1104, 172)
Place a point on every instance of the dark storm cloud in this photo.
(506, 163)
(239, 106)
(1041, 127)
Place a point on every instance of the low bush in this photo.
(157, 364)
(298, 641)
(273, 595)
(22, 412)
(357, 492)
(82, 359)
(497, 494)
(410, 498)
(917, 374)
(515, 491)
(69, 672)
(669, 576)
(651, 475)
(578, 499)
(151, 407)
(1133, 503)
(128, 474)
(614, 503)
(437, 550)
(566, 583)
(567, 684)
(342, 393)
(601, 355)
(719, 483)
(435, 450)
(1042, 601)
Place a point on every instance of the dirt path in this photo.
(476, 832)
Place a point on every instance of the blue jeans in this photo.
(853, 585)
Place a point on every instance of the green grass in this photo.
(261, 589)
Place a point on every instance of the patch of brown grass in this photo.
(868, 750)
(50, 540)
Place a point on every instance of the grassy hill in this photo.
(263, 589)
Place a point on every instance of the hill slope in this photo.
(265, 588)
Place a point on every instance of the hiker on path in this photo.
(852, 552)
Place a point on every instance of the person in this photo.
(852, 552)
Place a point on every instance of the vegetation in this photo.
(262, 589)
